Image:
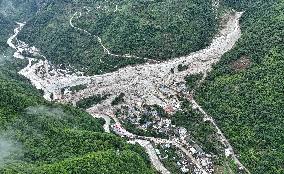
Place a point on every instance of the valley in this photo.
(154, 86)
(149, 83)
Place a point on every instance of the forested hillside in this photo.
(38, 136)
(41, 137)
(148, 29)
(19, 9)
(244, 92)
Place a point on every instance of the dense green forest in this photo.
(244, 92)
(19, 9)
(202, 132)
(41, 137)
(159, 29)
(90, 101)
(113, 162)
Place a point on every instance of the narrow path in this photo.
(152, 154)
(178, 145)
(142, 140)
(106, 50)
(222, 137)
(106, 118)
(144, 89)
(229, 149)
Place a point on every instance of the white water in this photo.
(17, 54)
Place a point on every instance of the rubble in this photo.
(151, 84)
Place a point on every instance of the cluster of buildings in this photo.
(142, 84)
(154, 118)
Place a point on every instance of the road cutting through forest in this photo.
(145, 88)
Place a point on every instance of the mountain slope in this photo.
(156, 30)
(36, 134)
(244, 92)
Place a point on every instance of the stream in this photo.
(141, 84)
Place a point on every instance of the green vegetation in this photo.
(182, 67)
(37, 136)
(6, 27)
(244, 92)
(248, 103)
(77, 88)
(119, 99)
(172, 158)
(159, 29)
(19, 9)
(192, 81)
(98, 163)
(202, 132)
(51, 137)
(90, 101)
(141, 132)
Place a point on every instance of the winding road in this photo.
(77, 15)
(140, 84)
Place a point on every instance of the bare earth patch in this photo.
(153, 84)
(242, 63)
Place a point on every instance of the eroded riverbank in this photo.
(141, 84)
